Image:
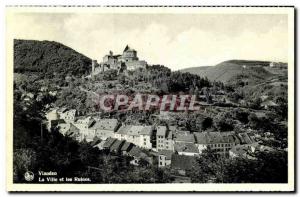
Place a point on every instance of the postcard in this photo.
(150, 99)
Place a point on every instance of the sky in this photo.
(174, 40)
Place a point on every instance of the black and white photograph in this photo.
(150, 99)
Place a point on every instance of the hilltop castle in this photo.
(127, 61)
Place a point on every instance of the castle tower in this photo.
(94, 64)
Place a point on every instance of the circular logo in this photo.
(29, 176)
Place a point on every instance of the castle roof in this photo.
(127, 48)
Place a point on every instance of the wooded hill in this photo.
(49, 58)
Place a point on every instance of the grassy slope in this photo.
(229, 70)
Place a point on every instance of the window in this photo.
(160, 163)
(145, 143)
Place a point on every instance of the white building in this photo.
(164, 139)
(217, 141)
(187, 149)
(138, 135)
(67, 115)
(164, 158)
(104, 128)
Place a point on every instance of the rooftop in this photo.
(62, 110)
(109, 142)
(239, 149)
(73, 130)
(184, 137)
(268, 103)
(186, 147)
(126, 146)
(116, 146)
(214, 137)
(167, 153)
(246, 138)
(135, 151)
(161, 130)
(135, 130)
(105, 124)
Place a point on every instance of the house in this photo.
(51, 115)
(104, 128)
(184, 137)
(27, 96)
(61, 110)
(52, 93)
(116, 146)
(73, 132)
(138, 135)
(268, 104)
(95, 141)
(55, 123)
(246, 138)
(182, 163)
(164, 138)
(187, 149)
(164, 158)
(138, 154)
(84, 124)
(216, 141)
(67, 115)
(100, 145)
(264, 98)
(146, 137)
(64, 127)
(127, 146)
(108, 143)
(242, 150)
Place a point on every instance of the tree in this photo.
(207, 123)
(282, 107)
(23, 161)
(208, 167)
(224, 122)
(256, 103)
(268, 167)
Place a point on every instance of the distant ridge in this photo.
(230, 70)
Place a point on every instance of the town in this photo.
(169, 145)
